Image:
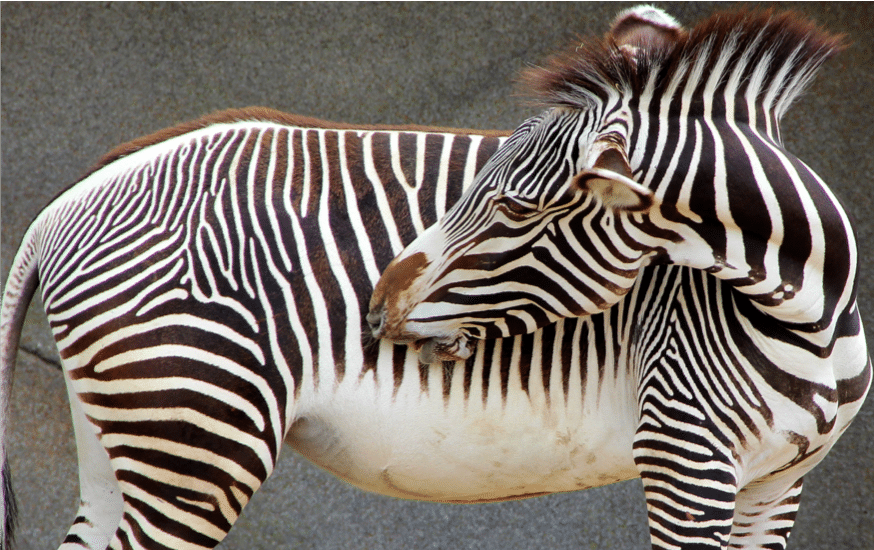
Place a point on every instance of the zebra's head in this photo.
(626, 167)
(508, 259)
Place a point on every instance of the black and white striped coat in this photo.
(492, 385)
(206, 287)
(661, 156)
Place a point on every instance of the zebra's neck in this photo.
(702, 120)
(705, 138)
(769, 226)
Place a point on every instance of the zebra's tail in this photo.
(21, 283)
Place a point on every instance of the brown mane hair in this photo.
(589, 71)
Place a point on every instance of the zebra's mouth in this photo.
(436, 350)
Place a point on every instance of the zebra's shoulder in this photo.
(271, 116)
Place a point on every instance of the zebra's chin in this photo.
(437, 350)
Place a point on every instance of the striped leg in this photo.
(101, 502)
(174, 501)
(181, 471)
(690, 485)
(765, 514)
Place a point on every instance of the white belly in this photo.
(421, 446)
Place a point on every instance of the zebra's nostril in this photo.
(375, 320)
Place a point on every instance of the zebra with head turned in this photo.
(206, 286)
(657, 181)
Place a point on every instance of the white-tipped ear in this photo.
(616, 191)
(645, 27)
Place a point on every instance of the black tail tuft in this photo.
(10, 509)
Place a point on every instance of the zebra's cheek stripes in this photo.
(405, 308)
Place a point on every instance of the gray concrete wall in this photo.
(78, 79)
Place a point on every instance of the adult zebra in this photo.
(662, 146)
(200, 283)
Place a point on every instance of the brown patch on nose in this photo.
(396, 279)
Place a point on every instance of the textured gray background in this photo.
(78, 79)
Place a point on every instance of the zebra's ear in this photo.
(645, 27)
(610, 178)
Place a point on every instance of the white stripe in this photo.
(379, 193)
(360, 235)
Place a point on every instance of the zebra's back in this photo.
(207, 293)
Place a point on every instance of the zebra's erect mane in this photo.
(777, 53)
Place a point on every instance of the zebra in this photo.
(206, 286)
(655, 190)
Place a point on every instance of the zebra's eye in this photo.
(514, 208)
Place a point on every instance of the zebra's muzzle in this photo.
(376, 322)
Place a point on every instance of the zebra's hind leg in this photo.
(101, 503)
(765, 514)
(186, 462)
(177, 495)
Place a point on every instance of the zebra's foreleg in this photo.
(765, 514)
(690, 486)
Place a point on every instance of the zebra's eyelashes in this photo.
(514, 207)
(616, 192)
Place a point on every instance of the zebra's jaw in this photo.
(432, 349)
(436, 350)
